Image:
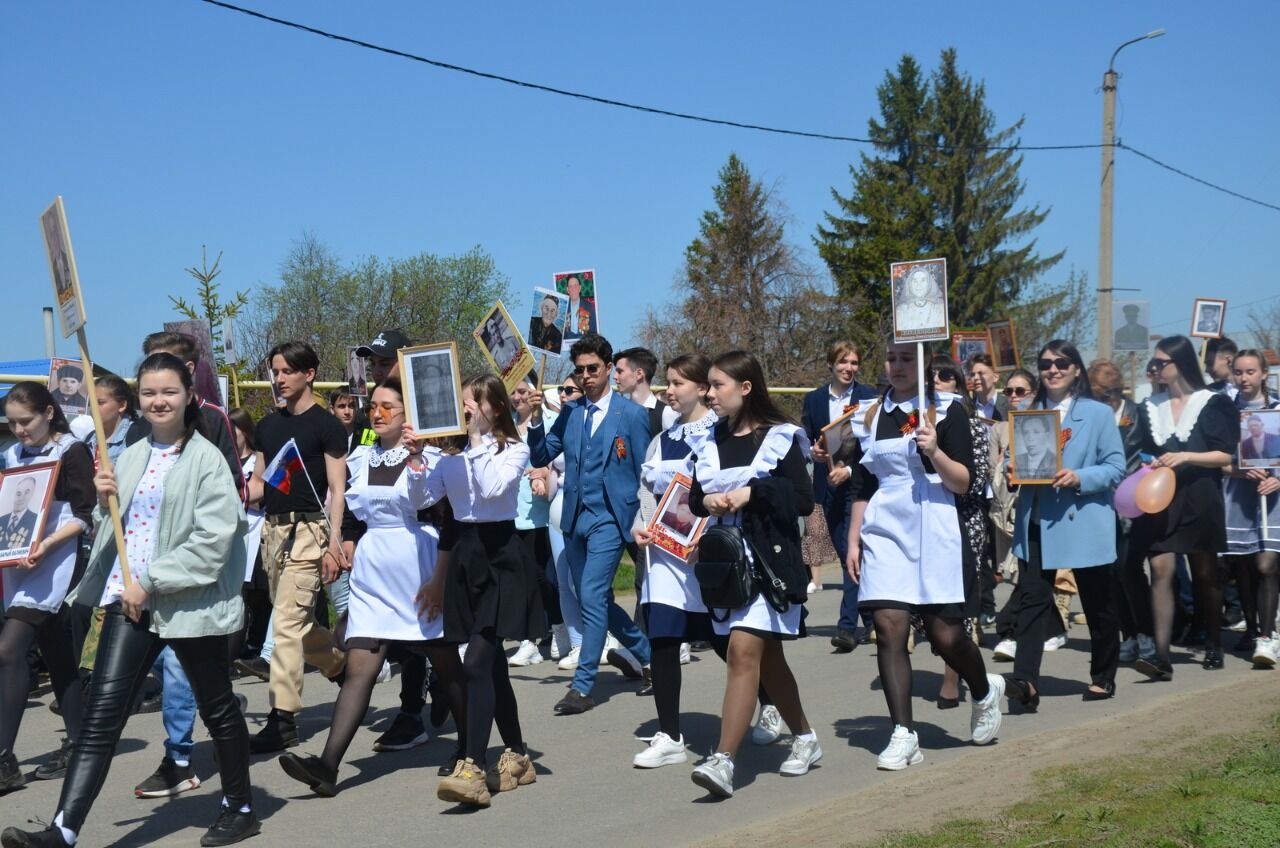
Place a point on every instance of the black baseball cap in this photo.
(385, 344)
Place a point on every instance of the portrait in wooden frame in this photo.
(26, 493)
(1035, 446)
(674, 527)
(432, 382)
(1208, 317)
(503, 346)
(1004, 344)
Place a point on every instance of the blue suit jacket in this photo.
(815, 415)
(1078, 527)
(625, 429)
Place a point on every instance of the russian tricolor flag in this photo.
(280, 472)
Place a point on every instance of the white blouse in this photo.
(481, 483)
(141, 521)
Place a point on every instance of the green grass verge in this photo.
(624, 581)
(1216, 792)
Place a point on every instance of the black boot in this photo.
(50, 837)
(232, 826)
(280, 732)
(11, 776)
(311, 771)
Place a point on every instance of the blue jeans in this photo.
(560, 575)
(835, 509)
(179, 709)
(593, 551)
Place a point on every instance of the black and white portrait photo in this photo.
(25, 494)
(1208, 317)
(1034, 446)
(919, 291)
(1131, 324)
(503, 347)
(432, 390)
(357, 374)
(67, 385)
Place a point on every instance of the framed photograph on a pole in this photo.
(967, 344)
(62, 265)
(583, 315)
(1132, 322)
(432, 383)
(25, 495)
(357, 374)
(501, 344)
(546, 324)
(1208, 317)
(1004, 345)
(1035, 445)
(919, 291)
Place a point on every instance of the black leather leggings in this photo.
(126, 652)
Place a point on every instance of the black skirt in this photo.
(490, 585)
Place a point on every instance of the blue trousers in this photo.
(835, 509)
(593, 551)
(179, 705)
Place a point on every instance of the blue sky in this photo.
(167, 125)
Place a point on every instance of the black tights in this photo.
(490, 698)
(948, 639)
(1207, 581)
(664, 664)
(1259, 583)
(363, 665)
(53, 636)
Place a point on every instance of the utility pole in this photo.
(1106, 212)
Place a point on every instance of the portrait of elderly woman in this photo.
(919, 300)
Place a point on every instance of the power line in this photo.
(685, 116)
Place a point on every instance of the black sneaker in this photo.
(152, 703)
(699, 645)
(450, 764)
(232, 826)
(57, 767)
(406, 731)
(11, 776)
(573, 703)
(280, 732)
(646, 683)
(1212, 659)
(1157, 668)
(311, 771)
(255, 667)
(844, 641)
(168, 780)
(50, 837)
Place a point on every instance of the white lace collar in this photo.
(942, 401)
(381, 456)
(1160, 415)
(701, 427)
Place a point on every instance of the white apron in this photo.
(757, 615)
(257, 518)
(394, 557)
(911, 547)
(668, 579)
(45, 586)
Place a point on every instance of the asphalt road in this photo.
(587, 793)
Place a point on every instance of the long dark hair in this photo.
(37, 397)
(120, 393)
(758, 409)
(1080, 386)
(1183, 354)
(489, 388)
(243, 421)
(192, 420)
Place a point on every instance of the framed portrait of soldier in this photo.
(1259, 439)
(546, 324)
(1004, 345)
(25, 495)
(62, 267)
(357, 374)
(674, 527)
(582, 314)
(67, 385)
(967, 344)
(432, 383)
(1208, 317)
(1131, 326)
(502, 345)
(919, 291)
(1035, 446)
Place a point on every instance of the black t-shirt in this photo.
(316, 433)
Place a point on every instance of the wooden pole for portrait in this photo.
(542, 370)
(1204, 351)
(235, 387)
(1133, 374)
(920, 409)
(104, 461)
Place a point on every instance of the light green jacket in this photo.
(197, 568)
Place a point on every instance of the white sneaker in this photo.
(903, 751)
(768, 727)
(526, 654)
(560, 645)
(984, 724)
(1053, 643)
(662, 751)
(804, 753)
(625, 662)
(1146, 647)
(811, 588)
(570, 660)
(1005, 650)
(462, 651)
(384, 673)
(1265, 652)
(715, 774)
(610, 644)
(1129, 650)
(1238, 627)
(686, 656)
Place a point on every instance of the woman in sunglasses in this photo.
(1193, 431)
(1070, 523)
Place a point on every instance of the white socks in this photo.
(67, 834)
(808, 737)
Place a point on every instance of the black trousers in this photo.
(126, 652)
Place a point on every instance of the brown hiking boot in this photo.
(465, 786)
(511, 771)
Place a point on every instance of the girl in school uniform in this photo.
(1193, 431)
(184, 529)
(1252, 553)
(487, 593)
(396, 556)
(670, 600)
(34, 591)
(907, 548)
(751, 473)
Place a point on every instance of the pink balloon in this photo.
(1126, 498)
(1155, 492)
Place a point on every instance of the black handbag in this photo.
(773, 587)
(723, 570)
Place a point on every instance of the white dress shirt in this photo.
(837, 402)
(602, 409)
(481, 483)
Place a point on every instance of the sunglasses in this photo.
(592, 369)
(1015, 391)
(1061, 363)
(569, 390)
(1158, 365)
(946, 375)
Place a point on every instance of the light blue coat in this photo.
(1078, 526)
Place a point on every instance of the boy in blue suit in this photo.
(603, 438)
